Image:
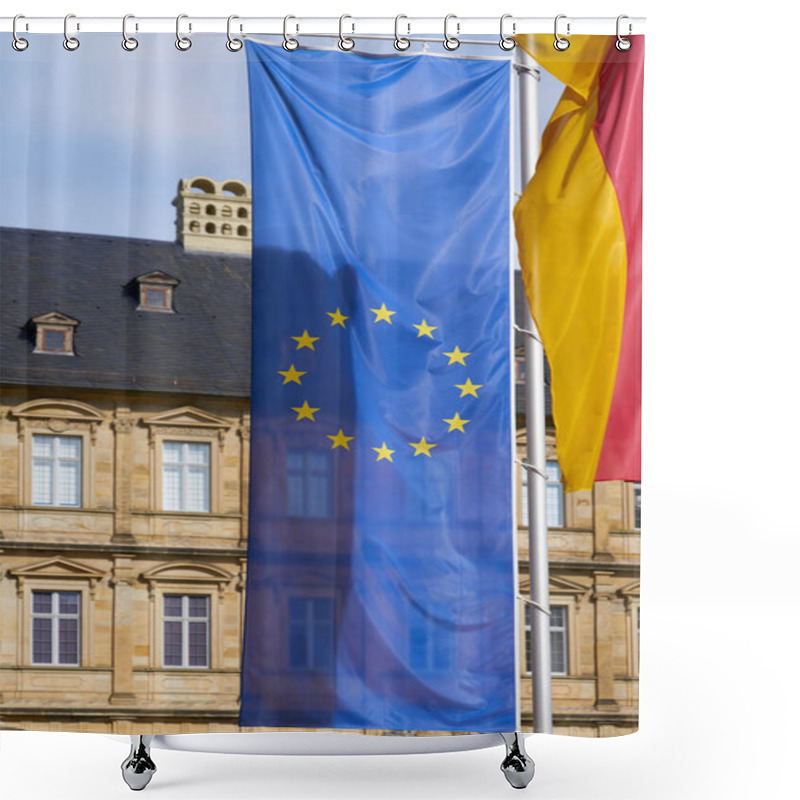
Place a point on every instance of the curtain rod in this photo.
(330, 26)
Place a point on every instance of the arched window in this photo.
(211, 227)
(227, 230)
(226, 211)
(241, 230)
(211, 210)
(194, 226)
(194, 208)
(242, 213)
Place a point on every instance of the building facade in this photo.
(124, 434)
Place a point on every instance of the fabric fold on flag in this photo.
(578, 227)
(380, 584)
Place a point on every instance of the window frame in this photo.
(185, 619)
(555, 483)
(55, 631)
(305, 476)
(185, 468)
(309, 665)
(56, 437)
(568, 634)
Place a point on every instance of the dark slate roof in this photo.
(204, 348)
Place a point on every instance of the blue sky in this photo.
(95, 141)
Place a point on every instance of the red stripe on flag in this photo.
(618, 131)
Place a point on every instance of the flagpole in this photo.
(536, 461)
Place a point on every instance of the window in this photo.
(426, 487)
(310, 632)
(186, 476)
(211, 210)
(56, 470)
(555, 496)
(226, 211)
(521, 367)
(525, 517)
(156, 288)
(56, 620)
(308, 483)
(211, 227)
(558, 640)
(186, 623)
(637, 506)
(55, 333)
(242, 213)
(559, 643)
(241, 230)
(427, 651)
(54, 340)
(194, 208)
(154, 298)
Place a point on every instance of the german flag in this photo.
(578, 226)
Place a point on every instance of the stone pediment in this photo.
(55, 318)
(629, 590)
(157, 277)
(55, 408)
(56, 568)
(187, 417)
(188, 573)
(559, 586)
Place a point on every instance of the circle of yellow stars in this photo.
(423, 447)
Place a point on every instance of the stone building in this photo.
(124, 436)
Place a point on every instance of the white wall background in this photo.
(719, 707)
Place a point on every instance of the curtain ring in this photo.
(19, 44)
(345, 43)
(450, 42)
(400, 42)
(623, 44)
(70, 42)
(560, 43)
(128, 42)
(233, 44)
(506, 42)
(288, 43)
(182, 42)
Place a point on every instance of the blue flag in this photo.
(380, 585)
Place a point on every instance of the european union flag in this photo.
(380, 587)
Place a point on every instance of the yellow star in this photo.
(305, 341)
(291, 375)
(425, 329)
(384, 452)
(469, 388)
(456, 356)
(340, 440)
(456, 423)
(383, 313)
(422, 447)
(337, 318)
(305, 411)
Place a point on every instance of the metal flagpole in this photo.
(536, 463)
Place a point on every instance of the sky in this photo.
(99, 138)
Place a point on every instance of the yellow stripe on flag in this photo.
(573, 256)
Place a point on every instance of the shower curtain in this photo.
(262, 368)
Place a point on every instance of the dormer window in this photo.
(55, 334)
(154, 298)
(156, 291)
